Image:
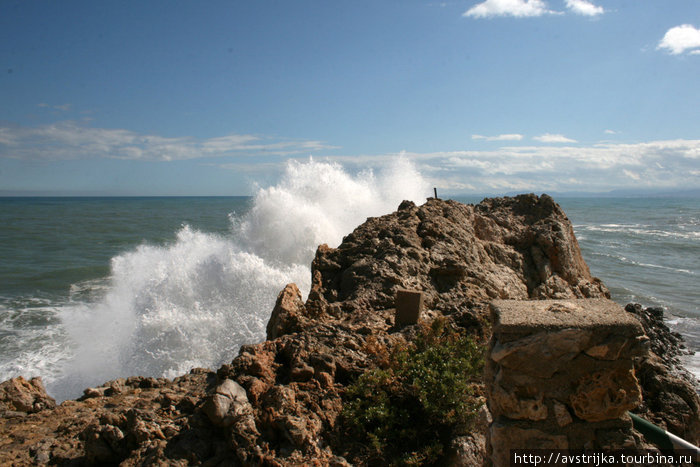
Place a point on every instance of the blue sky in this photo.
(209, 98)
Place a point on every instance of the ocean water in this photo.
(96, 288)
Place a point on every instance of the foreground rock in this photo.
(669, 391)
(135, 421)
(19, 396)
(278, 402)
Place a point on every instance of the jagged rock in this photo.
(669, 392)
(279, 401)
(665, 344)
(457, 255)
(127, 427)
(288, 314)
(20, 395)
(93, 392)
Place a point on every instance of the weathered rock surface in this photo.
(669, 392)
(460, 257)
(133, 421)
(278, 401)
(22, 396)
(288, 315)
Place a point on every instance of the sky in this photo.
(215, 98)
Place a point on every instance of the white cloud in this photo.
(507, 137)
(583, 7)
(517, 8)
(254, 168)
(549, 138)
(611, 132)
(72, 140)
(632, 175)
(681, 38)
(63, 107)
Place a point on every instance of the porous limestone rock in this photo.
(524, 402)
(606, 395)
(458, 256)
(18, 394)
(542, 354)
(670, 393)
(288, 314)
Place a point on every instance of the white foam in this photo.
(318, 202)
(692, 363)
(689, 327)
(32, 344)
(169, 308)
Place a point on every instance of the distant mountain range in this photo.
(622, 193)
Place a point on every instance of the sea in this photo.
(96, 288)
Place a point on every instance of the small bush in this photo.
(424, 394)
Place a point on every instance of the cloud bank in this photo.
(552, 164)
(549, 138)
(668, 164)
(70, 140)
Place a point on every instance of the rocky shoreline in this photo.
(280, 402)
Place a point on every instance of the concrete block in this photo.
(408, 307)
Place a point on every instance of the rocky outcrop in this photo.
(460, 257)
(19, 396)
(288, 315)
(279, 401)
(134, 421)
(669, 392)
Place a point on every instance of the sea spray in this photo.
(318, 202)
(194, 302)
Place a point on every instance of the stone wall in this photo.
(560, 375)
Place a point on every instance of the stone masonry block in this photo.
(606, 395)
(559, 371)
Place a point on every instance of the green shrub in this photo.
(423, 395)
